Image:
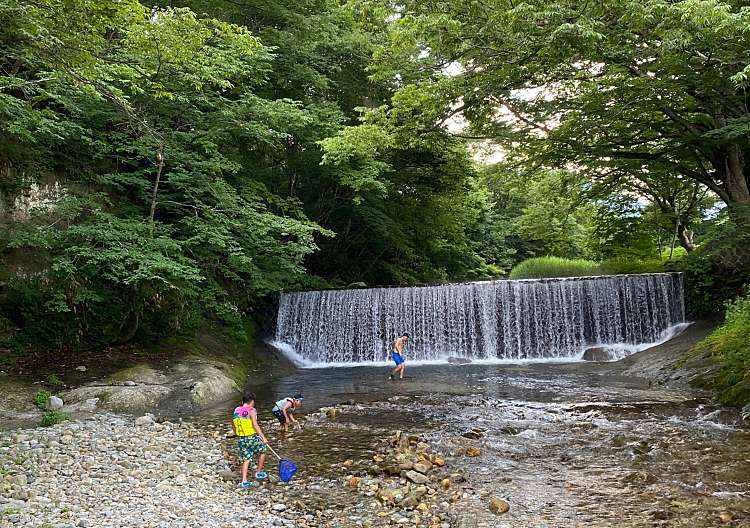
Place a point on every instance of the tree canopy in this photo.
(169, 164)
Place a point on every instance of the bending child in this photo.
(252, 442)
(284, 409)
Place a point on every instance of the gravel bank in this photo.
(110, 472)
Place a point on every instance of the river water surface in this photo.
(561, 446)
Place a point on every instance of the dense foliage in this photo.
(730, 345)
(167, 164)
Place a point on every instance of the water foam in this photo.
(489, 322)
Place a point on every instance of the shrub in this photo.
(53, 417)
(53, 380)
(546, 267)
(40, 399)
(730, 346)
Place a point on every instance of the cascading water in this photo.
(508, 320)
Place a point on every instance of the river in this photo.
(564, 447)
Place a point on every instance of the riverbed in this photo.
(561, 447)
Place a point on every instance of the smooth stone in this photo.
(54, 403)
(459, 361)
(498, 506)
(81, 368)
(423, 467)
(279, 507)
(144, 421)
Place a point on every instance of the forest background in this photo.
(172, 165)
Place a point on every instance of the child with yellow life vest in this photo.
(251, 439)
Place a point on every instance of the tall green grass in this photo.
(730, 346)
(546, 267)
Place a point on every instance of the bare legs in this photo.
(399, 370)
(246, 464)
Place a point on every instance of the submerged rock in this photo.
(458, 360)
(473, 451)
(498, 506)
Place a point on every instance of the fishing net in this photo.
(287, 469)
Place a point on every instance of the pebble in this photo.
(38, 467)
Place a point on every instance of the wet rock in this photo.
(473, 451)
(510, 430)
(354, 482)
(416, 478)
(81, 368)
(597, 354)
(473, 434)
(332, 413)
(438, 461)
(54, 403)
(498, 506)
(746, 412)
(130, 383)
(406, 466)
(459, 360)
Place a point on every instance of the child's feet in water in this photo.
(261, 475)
(247, 484)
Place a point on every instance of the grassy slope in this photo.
(729, 346)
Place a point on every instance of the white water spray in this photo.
(497, 320)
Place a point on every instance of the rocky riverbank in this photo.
(123, 472)
(181, 378)
(119, 472)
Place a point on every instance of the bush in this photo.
(54, 381)
(718, 271)
(40, 399)
(730, 346)
(53, 418)
(546, 267)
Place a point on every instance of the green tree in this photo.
(595, 85)
(154, 122)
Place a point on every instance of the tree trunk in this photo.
(686, 237)
(160, 166)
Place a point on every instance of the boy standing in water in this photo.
(397, 356)
(251, 441)
(284, 409)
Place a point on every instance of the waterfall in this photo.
(495, 320)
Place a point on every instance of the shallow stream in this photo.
(563, 448)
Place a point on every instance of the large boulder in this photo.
(598, 354)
